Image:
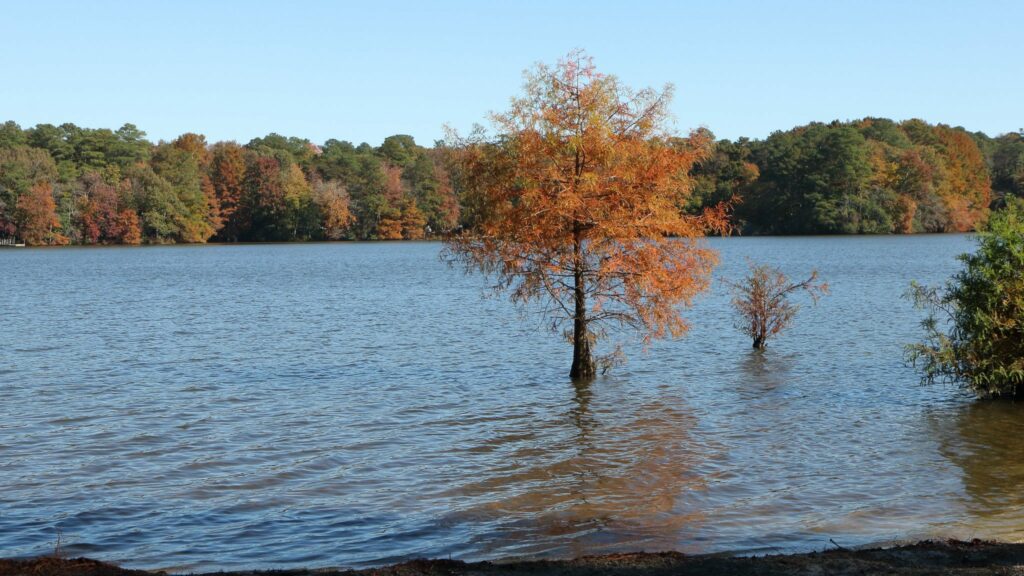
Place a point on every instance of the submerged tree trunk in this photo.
(582, 361)
(761, 333)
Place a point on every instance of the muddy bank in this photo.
(949, 557)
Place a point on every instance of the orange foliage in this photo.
(390, 228)
(762, 301)
(449, 201)
(102, 219)
(333, 201)
(394, 189)
(576, 205)
(227, 177)
(966, 189)
(213, 216)
(906, 209)
(128, 223)
(37, 217)
(413, 222)
(195, 145)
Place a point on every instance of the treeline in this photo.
(67, 184)
(871, 176)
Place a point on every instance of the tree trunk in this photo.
(759, 342)
(582, 360)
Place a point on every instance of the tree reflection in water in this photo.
(614, 473)
(985, 439)
(764, 371)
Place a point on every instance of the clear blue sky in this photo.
(362, 71)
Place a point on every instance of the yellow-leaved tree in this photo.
(575, 202)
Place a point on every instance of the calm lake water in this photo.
(230, 407)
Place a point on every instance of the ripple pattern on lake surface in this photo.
(351, 404)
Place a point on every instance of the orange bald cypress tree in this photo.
(575, 202)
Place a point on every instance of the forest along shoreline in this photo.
(976, 557)
(68, 184)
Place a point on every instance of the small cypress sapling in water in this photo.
(762, 301)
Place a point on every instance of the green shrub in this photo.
(975, 326)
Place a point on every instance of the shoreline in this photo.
(441, 239)
(976, 557)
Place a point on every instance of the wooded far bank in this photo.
(71, 185)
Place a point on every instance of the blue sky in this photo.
(362, 71)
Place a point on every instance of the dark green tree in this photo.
(337, 161)
(154, 199)
(399, 149)
(812, 180)
(12, 135)
(264, 201)
(180, 169)
(368, 200)
(724, 175)
(1008, 166)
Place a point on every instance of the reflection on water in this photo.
(765, 371)
(352, 404)
(612, 472)
(984, 440)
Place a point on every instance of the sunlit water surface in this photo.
(266, 406)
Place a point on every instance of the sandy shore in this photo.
(949, 557)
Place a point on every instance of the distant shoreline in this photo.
(441, 240)
(976, 557)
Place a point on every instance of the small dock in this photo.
(11, 243)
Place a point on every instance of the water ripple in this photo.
(203, 408)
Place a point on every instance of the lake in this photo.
(232, 407)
